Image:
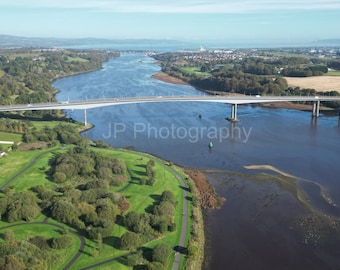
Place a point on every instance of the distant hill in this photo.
(9, 41)
(330, 42)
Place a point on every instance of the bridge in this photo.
(233, 100)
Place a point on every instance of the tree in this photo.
(163, 226)
(155, 266)
(10, 237)
(100, 242)
(150, 172)
(131, 219)
(151, 181)
(12, 263)
(24, 206)
(168, 196)
(62, 242)
(64, 211)
(161, 253)
(106, 209)
(166, 209)
(138, 223)
(129, 241)
(135, 259)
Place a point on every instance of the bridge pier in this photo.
(85, 117)
(316, 109)
(233, 117)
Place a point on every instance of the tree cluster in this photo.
(63, 133)
(80, 161)
(239, 82)
(19, 206)
(16, 126)
(85, 202)
(33, 253)
(92, 211)
(147, 226)
(151, 174)
(305, 71)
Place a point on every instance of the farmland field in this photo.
(319, 83)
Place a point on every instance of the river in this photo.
(285, 139)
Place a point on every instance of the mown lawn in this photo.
(36, 175)
(9, 136)
(14, 162)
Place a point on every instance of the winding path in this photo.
(34, 160)
(178, 255)
(45, 222)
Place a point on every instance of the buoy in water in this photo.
(211, 145)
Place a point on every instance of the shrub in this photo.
(62, 242)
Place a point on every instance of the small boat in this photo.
(210, 145)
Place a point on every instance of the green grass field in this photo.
(14, 162)
(333, 73)
(9, 136)
(196, 71)
(51, 124)
(78, 59)
(140, 196)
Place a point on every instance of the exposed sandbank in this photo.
(169, 79)
(270, 168)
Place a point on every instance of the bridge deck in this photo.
(88, 104)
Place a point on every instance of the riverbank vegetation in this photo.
(26, 74)
(247, 72)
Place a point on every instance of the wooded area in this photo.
(247, 75)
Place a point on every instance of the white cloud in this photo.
(178, 6)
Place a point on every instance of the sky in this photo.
(214, 20)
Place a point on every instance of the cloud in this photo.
(178, 6)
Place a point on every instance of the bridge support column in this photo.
(316, 109)
(85, 117)
(233, 117)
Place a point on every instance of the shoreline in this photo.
(168, 79)
(276, 105)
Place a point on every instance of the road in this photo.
(88, 104)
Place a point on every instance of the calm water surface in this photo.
(286, 139)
